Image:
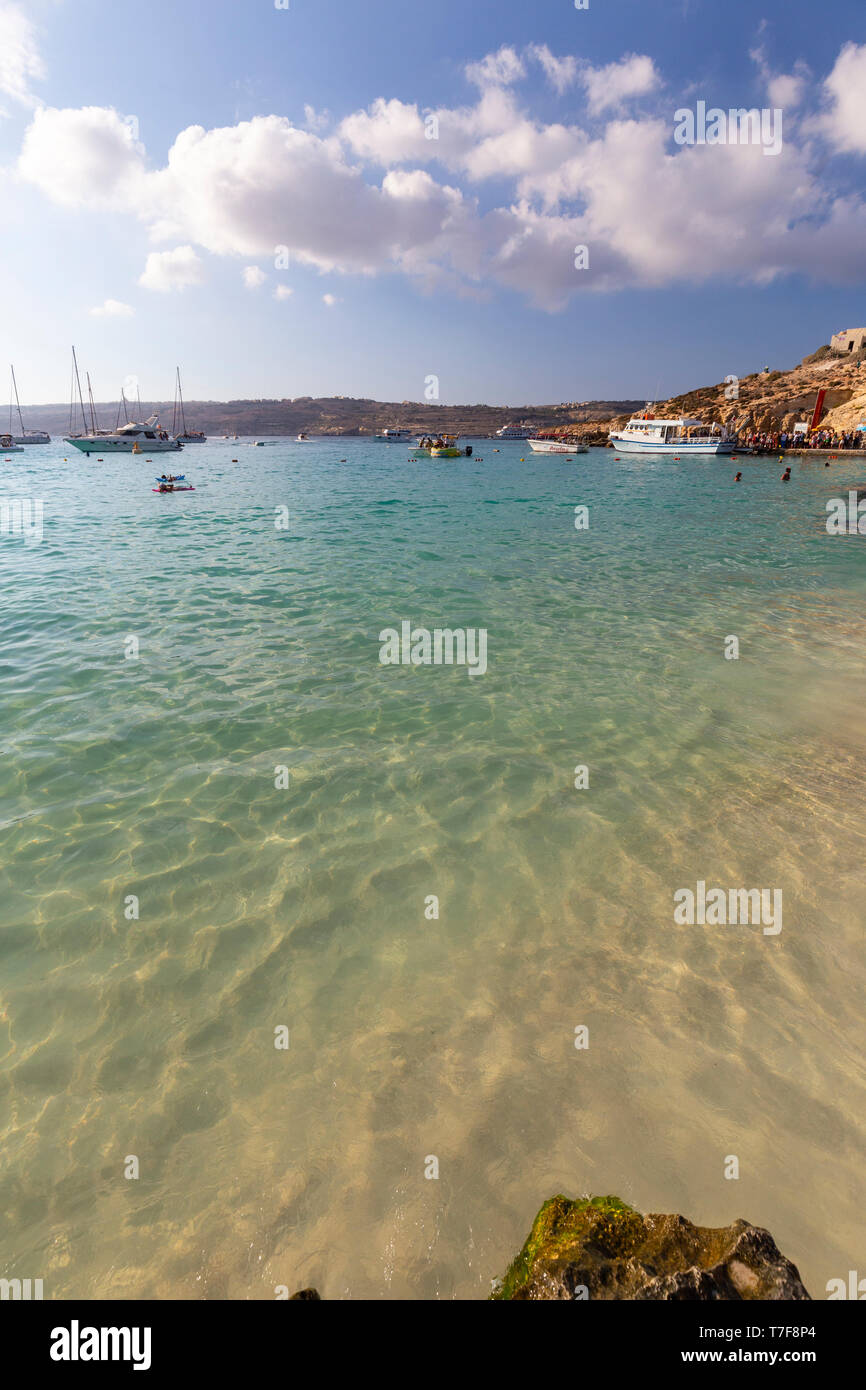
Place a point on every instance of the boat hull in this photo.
(549, 446)
(91, 445)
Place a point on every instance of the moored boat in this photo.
(539, 445)
(145, 437)
(515, 432)
(441, 446)
(26, 436)
(645, 434)
(185, 436)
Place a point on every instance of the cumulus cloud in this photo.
(253, 276)
(560, 72)
(608, 87)
(845, 89)
(171, 270)
(112, 309)
(20, 61)
(283, 292)
(376, 196)
(330, 300)
(497, 69)
(69, 153)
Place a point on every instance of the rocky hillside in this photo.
(771, 400)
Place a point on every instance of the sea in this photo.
(321, 971)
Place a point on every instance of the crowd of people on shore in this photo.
(781, 440)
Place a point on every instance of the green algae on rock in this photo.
(598, 1247)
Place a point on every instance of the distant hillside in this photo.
(337, 415)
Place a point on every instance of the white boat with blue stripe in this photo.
(645, 434)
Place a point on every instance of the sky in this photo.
(496, 201)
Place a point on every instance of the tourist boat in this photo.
(539, 445)
(186, 436)
(644, 434)
(303, 439)
(394, 436)
(147, 435)
(515, 432)
(441, 446)
(26, 436)
(8, 445)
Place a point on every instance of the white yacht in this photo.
(394, 436)
(515, 432)
(644, 434)
(144, 438)
(556, 446)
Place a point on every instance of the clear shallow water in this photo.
(305, 906)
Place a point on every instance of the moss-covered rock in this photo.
(598, 1247)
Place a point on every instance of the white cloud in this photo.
(171, 270)
(845, 88)
(786, 90)
(112, 309)
(283, 292)
(19, 55)
(497, 69)
(371, 198)
(330, 300)
(560, 72)
(71, 153)
(609, 87)
(253, 276)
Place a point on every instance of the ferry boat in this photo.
(147, 436)
(556, 446)
(515, 432)
(645, 434)
(395, 436)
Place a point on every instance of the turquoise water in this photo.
(304, 905)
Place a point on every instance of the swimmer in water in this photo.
(786, 476)
(738, 478)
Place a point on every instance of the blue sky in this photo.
(450, 256)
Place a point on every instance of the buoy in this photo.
(234, 460)
(100, 460)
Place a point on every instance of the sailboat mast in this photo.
(17, 402)
(174, 412)
(90, 398)
(180, 397)
(80, 396)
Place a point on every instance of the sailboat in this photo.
(186, 436)
(26, 436)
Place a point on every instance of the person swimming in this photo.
(738, 478)
(786, 476)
